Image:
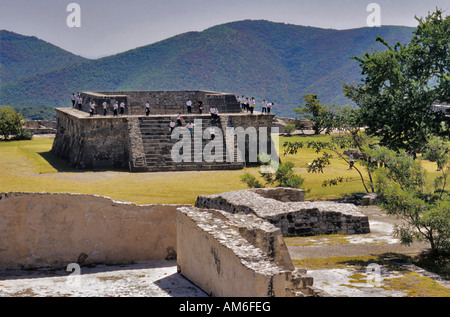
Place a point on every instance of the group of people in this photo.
(248, 104)
(179, 123)
(77, 100)
(189, 105)
(117, 109)
(189, 125)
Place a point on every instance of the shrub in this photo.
(23, 134)
(10, 121)
(289, 128)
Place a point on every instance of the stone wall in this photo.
(92, 143)
(294, 218)
(54, 230)
(262, 124)
(231, 255)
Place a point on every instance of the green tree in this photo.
(400, 85)
(10, 121)
(319, 115)
(403, 192)
(437, 150)
(274, 175)
(289, 128)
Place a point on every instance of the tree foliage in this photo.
(10, 122)
(347, 119)
(289, 128)
(404, 193)
(274, 174)
(437, 150)
(319, 115)
(400, 85)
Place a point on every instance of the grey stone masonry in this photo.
(294, 218)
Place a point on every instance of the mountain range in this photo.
(256, 58)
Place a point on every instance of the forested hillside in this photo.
(261, 59)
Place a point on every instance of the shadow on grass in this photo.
(57, 163)
(391, 260)
(437, 264)
(63, 166)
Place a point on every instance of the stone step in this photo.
(167, 126)
(191, 166)
(171, 143)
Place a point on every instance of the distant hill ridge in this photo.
(23, 56)
(256, 58)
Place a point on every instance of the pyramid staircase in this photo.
(157, 145)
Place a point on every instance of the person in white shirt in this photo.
(264, 106)
(172, 125)
(80, 102)
(122, 107)
(190, 126)
(247, 104)
(189, 106)
(252, 105)
(214, 113)
(116, 107)
(179, 120)
(105, 108)
(269, 106)
(147, 108)
(91, 108)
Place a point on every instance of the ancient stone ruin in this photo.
(237, 255)
(37, 127)
(141, 143)
(286, 209)
(229, 244)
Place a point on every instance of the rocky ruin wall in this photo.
(99, 142)
(220, 261)
(287, 210)
(54, 230)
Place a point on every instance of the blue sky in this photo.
(113, 26)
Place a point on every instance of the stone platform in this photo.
(144, 143)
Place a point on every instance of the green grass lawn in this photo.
(30, 166)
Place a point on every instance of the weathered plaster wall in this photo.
(230, 255)
(53, 230)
